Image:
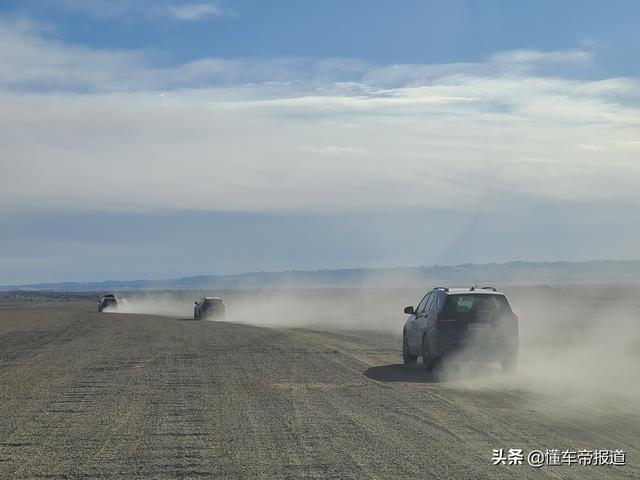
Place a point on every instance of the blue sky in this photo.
(178, 138)
(379, 31)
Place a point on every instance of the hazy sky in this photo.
(152, 139)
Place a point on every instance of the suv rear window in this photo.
(465, 303)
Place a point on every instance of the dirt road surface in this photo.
(88, 395)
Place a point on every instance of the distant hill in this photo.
(510, 273)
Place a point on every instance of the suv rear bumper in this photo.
(490, 345)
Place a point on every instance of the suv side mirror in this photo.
(409, 310)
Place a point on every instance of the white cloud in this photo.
(331, 149)
(31, 61)
(630, 144)
(535, 56)
(195, 11)
(293, 135)
(591, 148)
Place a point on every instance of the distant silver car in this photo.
(209, 307)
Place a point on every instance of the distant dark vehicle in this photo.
(478, 320)
(107, 301)
(209, 307)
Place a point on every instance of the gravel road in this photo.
(88, 395)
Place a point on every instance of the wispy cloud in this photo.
(331, 149)
(195, 11)
(530, 56)
(630, 144)
(115, 130)
(590, 147)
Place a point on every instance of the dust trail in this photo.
(378, 309)
(164, 304)
(579, 350)
(580, 346)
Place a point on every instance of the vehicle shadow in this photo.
(454, 371)
(401, 373)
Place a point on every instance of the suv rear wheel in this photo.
(407, 358)
(428, 362)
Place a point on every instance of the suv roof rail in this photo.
(444, 289)
(490, 288)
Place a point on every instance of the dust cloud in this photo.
(157, 303)
(363, 309)
(579, 350)
(579, 346)
(332, 308)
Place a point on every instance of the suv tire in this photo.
(408, 359)
(428, 362)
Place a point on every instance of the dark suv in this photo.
(107, 301)
(209, 307)
(475, 320)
